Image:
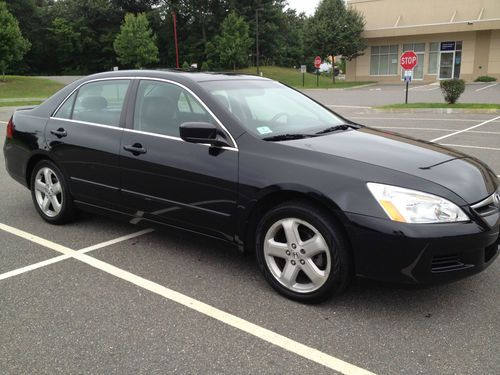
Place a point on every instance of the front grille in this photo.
(445, 263)
(487, 206)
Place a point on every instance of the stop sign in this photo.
(317, 62)
(408, 60)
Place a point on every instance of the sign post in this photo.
(317, 64)
(303, 69)
(408, 61)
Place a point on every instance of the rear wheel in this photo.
(50, 193)
(302, 252)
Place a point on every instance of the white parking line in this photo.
(464, 130)
(115, 241)
(262, 333)
(486, 87)
(467, 146)
(34, 266)
(66, 251)
(3, 122)
(407, 128)
(413, 119)
(431, 129)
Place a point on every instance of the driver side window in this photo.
(162, 107)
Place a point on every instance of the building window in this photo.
(433, 58)
(384, 60)
(419, 49)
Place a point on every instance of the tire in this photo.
(302, 252)
(50, 193)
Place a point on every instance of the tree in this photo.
(335, 30)
(13, 46)
(135, 44)
(233, 44)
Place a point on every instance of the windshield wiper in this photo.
(288, 137)
(338, 127)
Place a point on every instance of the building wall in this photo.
(390, 13)
(360, 70)
(474, 22)
(494, 57)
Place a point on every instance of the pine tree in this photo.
(135, 44)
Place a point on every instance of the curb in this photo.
(436, 110)
(338, 89)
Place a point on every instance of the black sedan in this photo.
(252, 162)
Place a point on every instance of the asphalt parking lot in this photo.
(104, 297)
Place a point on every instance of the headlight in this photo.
(410, 206)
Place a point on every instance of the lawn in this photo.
(442, 105)
(293, 77)
(27, 87)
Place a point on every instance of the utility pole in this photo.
(257, 39)
(175, 40)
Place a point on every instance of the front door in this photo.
(165, 179)
(446, 65)
(84, 137)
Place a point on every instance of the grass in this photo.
(293, 77)
(23, 103)
(27, 87)
(442, 105)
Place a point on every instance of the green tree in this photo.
(135, 44)
(13, 45)
(233, 44)
(335, 30)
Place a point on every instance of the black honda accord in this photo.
(252, 162)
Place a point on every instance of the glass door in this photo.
(446, 65)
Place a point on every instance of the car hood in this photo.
(464, 175)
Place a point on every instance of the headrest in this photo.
(94, 102)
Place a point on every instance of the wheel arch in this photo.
(277, 195)
(32, 161)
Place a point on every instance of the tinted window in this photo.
(101, 102)
(66, 109)
(162, 107)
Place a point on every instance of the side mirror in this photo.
(202, 132)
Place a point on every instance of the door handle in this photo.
(136, 149)
(59, 133)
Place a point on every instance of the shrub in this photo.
(185, 66)
(452, 89)
(485, 79)
(205, 67)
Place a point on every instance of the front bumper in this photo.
(421, 253)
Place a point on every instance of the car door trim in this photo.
(88, 123)
(137, 78)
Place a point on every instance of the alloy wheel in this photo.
(297, 255)
(48, 192)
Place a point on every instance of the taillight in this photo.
(10, 128)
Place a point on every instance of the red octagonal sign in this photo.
(317, 62)
(408, 60)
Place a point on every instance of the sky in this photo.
(307, 6)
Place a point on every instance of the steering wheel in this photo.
(278, 116)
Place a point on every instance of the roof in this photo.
(178, 75)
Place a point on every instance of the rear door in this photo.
(165, 179)
(84, 137)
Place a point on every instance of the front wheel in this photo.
(302, 252)
(50, 193)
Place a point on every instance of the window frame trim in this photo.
(138, 79)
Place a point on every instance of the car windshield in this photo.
(268, 108)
